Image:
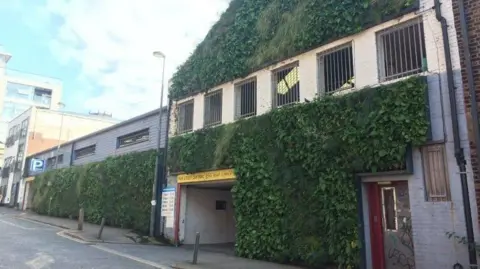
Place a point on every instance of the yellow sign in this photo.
(217, 175)
(29, 179)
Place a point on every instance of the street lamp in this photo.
(162, 56)
(61, 106)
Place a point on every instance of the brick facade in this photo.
(472, 12)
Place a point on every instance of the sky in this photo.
(102, 49)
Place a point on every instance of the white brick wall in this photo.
(430, 220)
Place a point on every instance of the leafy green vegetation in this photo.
(252, 34)
(118, 188)
(295, 197)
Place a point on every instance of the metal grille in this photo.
(335, 69)
(435, 173)
(86, 151)
(246, 99)
(401, 50)
(23, 132)
(213, 109)
(133, 138)
(185, 117)
(286, 86)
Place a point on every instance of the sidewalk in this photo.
(122, 241)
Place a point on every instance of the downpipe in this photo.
(459, 152)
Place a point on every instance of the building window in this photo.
(23, 130)
(220, 205)
(246, 99)
(335, 69)
(51, 162)
(437, 187)
(20, 152)
(42, 97)
(213, 108)
(389, 208)
(185, 117)
(401, 50)
(133, 138)
(60, 159)
(19, 91)
(286, 86)
(86, 151)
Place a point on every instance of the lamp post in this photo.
(159, 55)
(61, 106)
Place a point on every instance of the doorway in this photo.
(391, 226)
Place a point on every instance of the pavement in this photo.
(38, 242)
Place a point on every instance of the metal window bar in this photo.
(246, 99)
(133, 138)
(213, 109)
(435, 173)
(79, 153)
(401, 50)
(335, 69)
(185, 117)
(286, 86)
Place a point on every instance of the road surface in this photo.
(29, 245)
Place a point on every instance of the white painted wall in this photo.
(214, 226)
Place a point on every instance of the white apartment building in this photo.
(19, 91)
(35, 130)
(369, 58)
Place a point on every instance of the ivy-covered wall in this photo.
(294, 197)
(252, 34)
(118, 188)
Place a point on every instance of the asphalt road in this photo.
(29, 245)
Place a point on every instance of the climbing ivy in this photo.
(252, 34)
(118, 189)
(294, 196)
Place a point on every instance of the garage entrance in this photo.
(206, 207)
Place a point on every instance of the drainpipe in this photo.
(459, 153)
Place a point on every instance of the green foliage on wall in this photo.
(254, 33)
(118, 188)
(295, 197)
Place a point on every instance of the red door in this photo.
(376, 230)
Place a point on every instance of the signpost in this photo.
(168, 206)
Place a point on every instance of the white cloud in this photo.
(113, 41)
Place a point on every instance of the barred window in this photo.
(286, 86)
(246, 99)
(401, 50)
(51, 162)
(335, 69)
(86, 151)
(185, 117)
(213, 108)
(133, 138)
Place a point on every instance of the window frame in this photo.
(429, 178)
(179, 106)
(125, 137)
(238, 89)
(384, 212)
(76, 151)
(274, 74)
(205, 97)
(380, 41)
(321, 83)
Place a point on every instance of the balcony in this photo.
(5, 172)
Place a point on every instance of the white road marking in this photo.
(140, 260)
(16, 225)
(41, 261)
(62, 234)
(114, 252)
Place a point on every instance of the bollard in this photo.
(102, 224)
(195, 248)
(80, 219)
